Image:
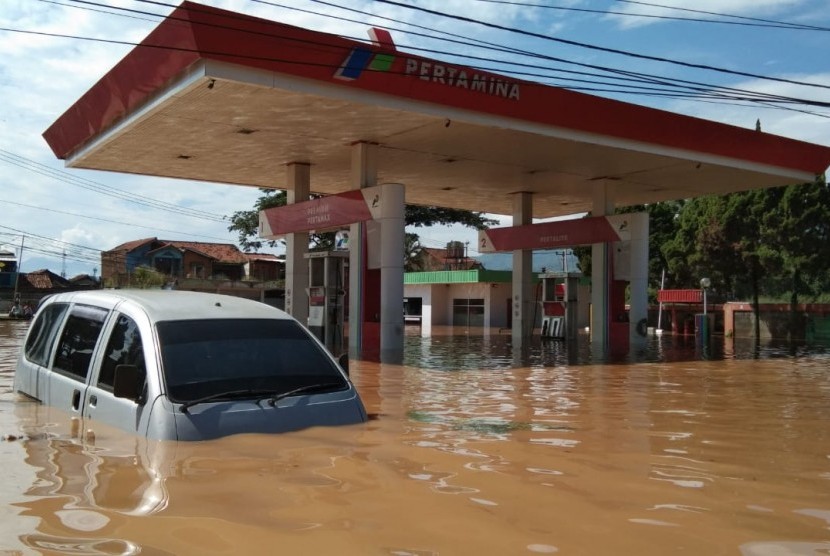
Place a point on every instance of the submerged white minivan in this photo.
(177, 365)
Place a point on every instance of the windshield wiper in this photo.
(227, 395)
(272, 401)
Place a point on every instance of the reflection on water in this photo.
(669, 451)
(449, 350)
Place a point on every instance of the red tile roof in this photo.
(130, 245)
(44, 279)
(220, 252)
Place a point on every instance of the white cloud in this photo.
(697, 9)
(800, 125)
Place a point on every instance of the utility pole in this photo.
(19, 266)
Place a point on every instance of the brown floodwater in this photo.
(472, 450)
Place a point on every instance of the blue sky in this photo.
(55, 210)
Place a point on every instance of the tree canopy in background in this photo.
(772, 243)
(765, 243)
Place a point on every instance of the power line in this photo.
(772, 98)
(54, 247)
(754, 95)
(42, 169)
(108, 12)
(798, 26)
(32, 235)
(751, 22)
(713, 92)
(602, 48)
(624, 76)
(131, 225)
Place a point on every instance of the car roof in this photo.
(165, 305)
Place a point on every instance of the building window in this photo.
(468, 312)
(168, 265)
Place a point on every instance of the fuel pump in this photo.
(326, 297)
(559, 304)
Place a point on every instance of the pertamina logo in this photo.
(361, 59)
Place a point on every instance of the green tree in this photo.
(715, 238)
(423, 216)
(722, 238)
(761, 243)
(798, 229)
(754, 243)
(414, 253)
(246, 222)
(145, 277)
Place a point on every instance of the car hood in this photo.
(222, 418)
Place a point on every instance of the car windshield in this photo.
(207, 358)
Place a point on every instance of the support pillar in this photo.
(392, 223)
(638, 286)
(522, 298)
(363, 174)
(601, 277)
(298, 188)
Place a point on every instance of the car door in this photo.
(123, 344)
(74, 354)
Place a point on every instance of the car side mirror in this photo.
(343, 361)
(128, 382)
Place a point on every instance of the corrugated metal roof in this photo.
(457, 277)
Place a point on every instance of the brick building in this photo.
(184, 259)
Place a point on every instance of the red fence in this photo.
(680, 296)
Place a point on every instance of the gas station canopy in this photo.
(218, 96)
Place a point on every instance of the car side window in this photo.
(41, 338)
(123, 348)
(77, 342)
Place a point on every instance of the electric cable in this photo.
(42, 169)
(602, 48)
(752, 22)
(629, 76)
(815, 103)
(128, 224)
(289, 61)
(799, 26)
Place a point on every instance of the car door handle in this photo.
(93, 400)
(76, 399)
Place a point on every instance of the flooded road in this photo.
(470, 451)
